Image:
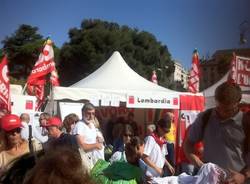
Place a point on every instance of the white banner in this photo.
(22, 104)
(66, 108)
(240, 71)
(159, 101)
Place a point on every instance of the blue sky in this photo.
(182, 25)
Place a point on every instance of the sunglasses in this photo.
(14, 131)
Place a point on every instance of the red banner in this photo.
(41, 70)
(4, 85)
(37, 79)
(190, 107)
(54, 79)
(240, 71)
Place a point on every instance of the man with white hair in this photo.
(29, 131)
(87, 134)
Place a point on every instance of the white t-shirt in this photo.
(35, 133)
(89, 134)
(117, 156)
(154, 152)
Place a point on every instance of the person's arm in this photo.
(147, 160)
(246, 173)
(37, 135)
(194, 134)
(25, 133)
(170, 167)
(87, 147)
(188, 148)
(238, 178)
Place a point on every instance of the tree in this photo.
(22, 48)
(91, 45)
(1, 54)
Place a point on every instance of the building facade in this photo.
(213, 69)
(180, 74)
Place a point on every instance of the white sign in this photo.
(159, 101)
(22, 104)
(67, 108)
(240, 71)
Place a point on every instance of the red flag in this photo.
(194, 76)
(44, 65)
(154, 77)
(37, 79)
(4, 84)
(54, 79)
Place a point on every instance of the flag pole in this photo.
(52, 99)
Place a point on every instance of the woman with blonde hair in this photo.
(69, 122)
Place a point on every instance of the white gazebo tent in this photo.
(116, 82)
(209, 93)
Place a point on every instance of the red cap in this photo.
(54, 121)
(10, 122)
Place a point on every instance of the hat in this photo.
(54, 121)
(10, 122)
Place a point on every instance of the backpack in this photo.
(245, 124)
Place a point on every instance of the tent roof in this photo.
(209, 92)
(115, 82)
(116, 74)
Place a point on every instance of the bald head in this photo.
(25, 117)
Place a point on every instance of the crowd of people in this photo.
(216, 147)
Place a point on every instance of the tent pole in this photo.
(145, 123)
(24, 88)
(179, 141)
(52, 100)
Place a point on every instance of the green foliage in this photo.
(91, 45)
(22, 49)
(18, 82)
(1, 54)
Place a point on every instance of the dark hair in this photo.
(45, 115)
(132, 148)
(88, 106)
(127, 129)
(164, 123)
(131, 114)
(228, 93)
(58, 168)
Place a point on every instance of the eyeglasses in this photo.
(14, 131)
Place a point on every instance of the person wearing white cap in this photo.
(87, 135)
